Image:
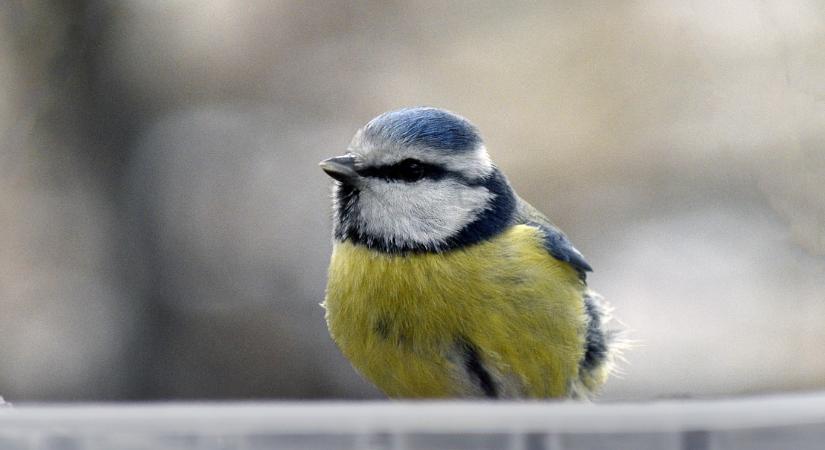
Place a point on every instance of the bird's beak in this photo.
(342, 168)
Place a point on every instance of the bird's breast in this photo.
(403, 319)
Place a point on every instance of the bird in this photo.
(444, 283)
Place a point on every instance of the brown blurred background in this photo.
(164, 227)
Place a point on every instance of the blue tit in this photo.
(443, 283)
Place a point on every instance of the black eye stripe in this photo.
(408, 170)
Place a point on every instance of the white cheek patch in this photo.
(426, 213)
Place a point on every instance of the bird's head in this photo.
(418, 179)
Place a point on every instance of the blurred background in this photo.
(165, 230)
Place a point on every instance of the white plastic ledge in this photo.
(210, 419)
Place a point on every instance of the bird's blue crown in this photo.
(426, 127)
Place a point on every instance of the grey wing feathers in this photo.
(555, 241)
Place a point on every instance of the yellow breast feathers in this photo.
(501, 318)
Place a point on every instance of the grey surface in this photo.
(789, 421)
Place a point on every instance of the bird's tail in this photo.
(605, 340)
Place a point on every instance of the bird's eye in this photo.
(411, 170)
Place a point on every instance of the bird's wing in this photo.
(602, 342)
(555, 241)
